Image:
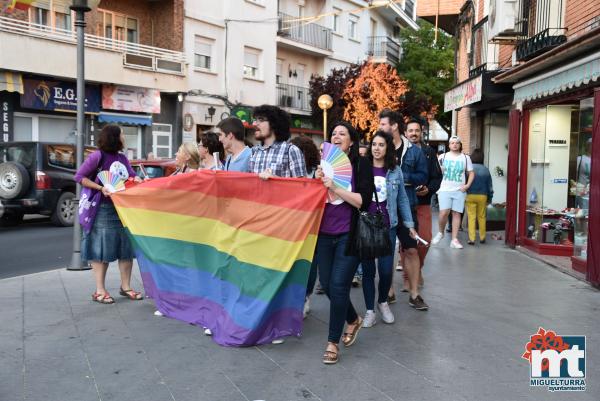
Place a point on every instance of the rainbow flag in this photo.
(226, 251)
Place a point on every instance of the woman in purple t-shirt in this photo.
(336, 258)
(395, 206)
(107, 240)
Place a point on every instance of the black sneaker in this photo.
(417, 303)
(482, 241)
(471, 242)
(391, 299)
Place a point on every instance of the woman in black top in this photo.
(336, 258)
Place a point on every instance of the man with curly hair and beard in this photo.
(274, 156)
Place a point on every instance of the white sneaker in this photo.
(158, 313)
(306, 310)
(278, 341)
(455, 244)
(369, 320)
(436, 240)
(386, 314)
(207, 332)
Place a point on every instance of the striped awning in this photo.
(11, 82)
(572, 75)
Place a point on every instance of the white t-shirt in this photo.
(453, 167)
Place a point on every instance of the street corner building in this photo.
(226, 251)
(528, 94)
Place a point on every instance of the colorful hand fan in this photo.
(337, 166)
(113, 182)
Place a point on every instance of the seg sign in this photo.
(6, 119)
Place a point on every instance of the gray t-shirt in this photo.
(240, 163)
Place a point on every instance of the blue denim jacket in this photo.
(482, 184)
(414, 168)
(397, 200)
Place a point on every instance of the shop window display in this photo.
(580, 183)
(558, 175)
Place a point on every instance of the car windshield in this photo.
(24, 154)
(151, 171)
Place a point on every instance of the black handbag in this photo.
(372, 238)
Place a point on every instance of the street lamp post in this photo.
(325, 102)
(80, 7)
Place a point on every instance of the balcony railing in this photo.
(308, 33)
(384, 47)
(134, 55)
(291, 96)
(482, 56)
(540, 24)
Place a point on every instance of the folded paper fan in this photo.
(336, 165)
(113, 182)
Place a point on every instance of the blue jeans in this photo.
(312, 276)
(385, 269)
(336, 271)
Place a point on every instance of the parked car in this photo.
(153, 168)
(38, 178)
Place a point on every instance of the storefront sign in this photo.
(559, 181)
(557, 142)
(6, 119)
(464, 94)
(58, 96)
(129, 98)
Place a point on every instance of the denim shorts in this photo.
(107, 241)
(454, 200)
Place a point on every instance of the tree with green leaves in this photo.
(428, 66)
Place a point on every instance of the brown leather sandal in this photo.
(331, 357)
(350, 337)
(131, 294)
(103, 298)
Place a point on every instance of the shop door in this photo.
(133, 141)
(161, 140)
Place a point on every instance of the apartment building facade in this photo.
(547, 62)
(135, 69)
(250, 52)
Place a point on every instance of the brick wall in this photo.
(446, 7)
(480, 7)
(160, 24)
(579, 13)
(505, 56)
(463, 128)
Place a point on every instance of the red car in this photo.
(153, 168)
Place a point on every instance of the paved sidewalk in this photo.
(56, 344)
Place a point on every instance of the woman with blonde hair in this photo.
(187, 158)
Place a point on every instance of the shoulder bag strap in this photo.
(99, 166)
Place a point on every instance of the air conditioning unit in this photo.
(502, 19)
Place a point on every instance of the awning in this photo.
(572, 75)
(130, 119)
(11, 82)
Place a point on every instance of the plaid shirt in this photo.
(283, 158)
